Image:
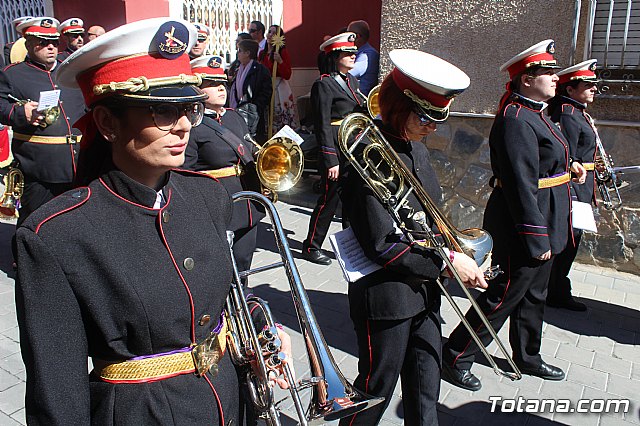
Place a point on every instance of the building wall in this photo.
(478, 37)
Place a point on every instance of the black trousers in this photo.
(519, 293)
(322, 214)
(409, 349)
(559, 282)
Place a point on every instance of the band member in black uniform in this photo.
(15, 51)
(220, 150)
(333, 96)
(528, 216)
(200, 46)
(46, 153)
(395, 310)
(576, 90)
(72, 32)
(133, 269)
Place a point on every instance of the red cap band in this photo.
(208, 70)
(336, 46)
(123, 69)
(72, 28)
(523, 64)
(405, 82)
(565, 78)
(36, 30)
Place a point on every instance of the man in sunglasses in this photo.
(257, 30)
(43, 145)
(200, 45)
(72, 32)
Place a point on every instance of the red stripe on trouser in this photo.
(366, 382)
(492, 311)
(326, 191)
(215, 393)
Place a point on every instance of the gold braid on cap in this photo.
(142, 84)
(426, 105)
(542, 63)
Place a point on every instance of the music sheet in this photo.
(582, 217)
(353, 262)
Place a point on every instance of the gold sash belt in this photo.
(236, 170)
(197, 359)
(589, 166)
(554, 181)
(52, 140)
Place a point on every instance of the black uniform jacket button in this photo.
(188, 263)
(204, 320)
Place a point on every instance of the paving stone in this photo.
(628, 286)
(563, 336)
(603, 282)
(623, 386)
(549, 347)
(583, 289)
(596, 344)
(628, 352)
(20, 416)
(606, 420)
(575, 355)
(576, 277)
(582, 419)
(609, 295)
(610, 364)
(12, 399)
(561, 390)
(595, 394)
(7, 380)
(6, 420)
(586, 376)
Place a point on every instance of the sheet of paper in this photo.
(288, 132)
(48, 99)
(582, 217)
(353, 262)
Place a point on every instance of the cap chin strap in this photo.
(428, 107)
(142, 84)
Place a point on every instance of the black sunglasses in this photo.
(45, 42)
(202, 39)
(253, 30)
(424, 119)
(166, 116)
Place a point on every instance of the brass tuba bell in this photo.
(14, 186)
(279, 163)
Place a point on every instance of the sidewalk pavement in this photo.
(598, 349)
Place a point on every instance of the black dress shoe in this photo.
(570, 304)
(316, 256)
(464, 379)
(544, 371)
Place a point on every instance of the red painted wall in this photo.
(108, 13)
(306, 22)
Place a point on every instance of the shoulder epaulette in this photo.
(512, 110)
(60, 205)
(570, 109)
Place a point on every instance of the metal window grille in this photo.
(227, 18)
(613, 34)
(12, 9)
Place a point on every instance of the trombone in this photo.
(333, 397)
(279, 163)
(371, 155)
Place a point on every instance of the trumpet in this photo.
(332, 396)
(392, 183)
(279, 163)
(605, 173)
(13, 189)
(50, 114)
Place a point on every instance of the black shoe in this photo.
(570, 304)
(464, 379)
(316, 256)
(544, 371)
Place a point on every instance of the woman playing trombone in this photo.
(133, 269)
(395, 310)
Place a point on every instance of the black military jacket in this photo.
(40, 162)
(526, 146)
(329, 103)
(103, 274)
(575, 125)
(64, 55)
(209, 149)
(405, 285)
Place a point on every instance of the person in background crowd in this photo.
(133, 266)
(576, 90)
(46, 152)
(257, 31)
(233, 68)
(252, 85)
(15, 51)
(200, 46)
(73, 33)
(284, 104)
(367, 60)
(527, 215)
(333, 96)
(94, 31)
(217, 148)
(396, 310)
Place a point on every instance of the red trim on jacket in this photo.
(65, 210)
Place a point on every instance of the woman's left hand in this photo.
(277, 376)
(580, 171)
(277, 57)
